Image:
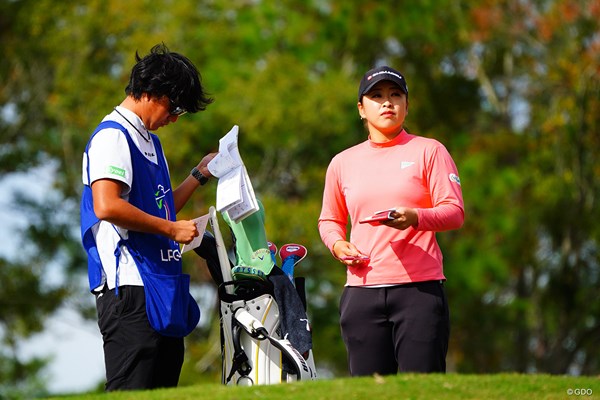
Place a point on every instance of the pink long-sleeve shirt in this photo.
(409, 171)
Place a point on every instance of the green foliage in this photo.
(24, 305)
(511, 88)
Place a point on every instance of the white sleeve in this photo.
(109, 157)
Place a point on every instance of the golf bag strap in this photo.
(291, 354)
(240, 362)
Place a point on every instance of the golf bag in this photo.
(254, 348)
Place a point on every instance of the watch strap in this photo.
(195, 172)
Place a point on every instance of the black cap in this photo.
(383, 73)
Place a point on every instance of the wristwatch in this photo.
(195, 172)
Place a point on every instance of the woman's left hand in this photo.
(404, 217)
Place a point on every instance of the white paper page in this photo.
(235, 194)
(228, 157)
(229, 190)
(201, 226)
(249, 204)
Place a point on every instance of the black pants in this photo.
(398, 328)
(135, 355)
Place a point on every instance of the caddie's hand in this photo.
(404, 217)
(202, 166)
(184, 231)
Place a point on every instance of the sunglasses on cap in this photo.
(175, 110)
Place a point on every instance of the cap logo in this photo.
(384, 72)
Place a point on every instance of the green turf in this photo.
(404, 386)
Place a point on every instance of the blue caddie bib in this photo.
(171, 310)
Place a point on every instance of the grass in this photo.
(397, 387)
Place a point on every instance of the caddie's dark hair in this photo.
(165, 73)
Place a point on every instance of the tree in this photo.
(510, 87)
(532, 239)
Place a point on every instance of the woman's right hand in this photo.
(348, 254)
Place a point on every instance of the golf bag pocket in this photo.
(253, 351)
(171, 310)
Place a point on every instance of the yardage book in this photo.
(235, 194)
